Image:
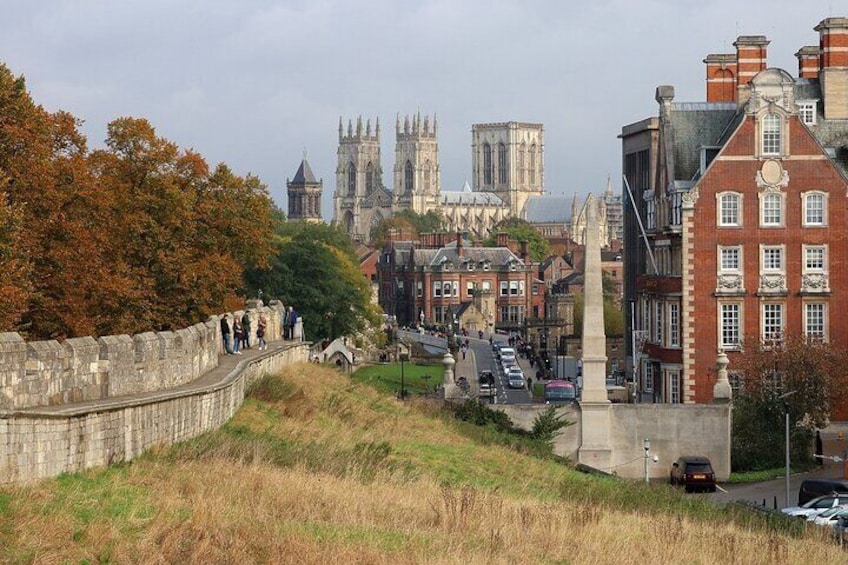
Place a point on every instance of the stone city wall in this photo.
(49, 373)
(673, 429)
(44, 442)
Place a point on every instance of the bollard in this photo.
(775, 502)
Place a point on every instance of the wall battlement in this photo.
(66, 407)
(49, 373)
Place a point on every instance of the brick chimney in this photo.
(808, 62)
(721, 77)
(459, 250)
(750, 60)
(522, 252)
(833, 75)
(503, 239)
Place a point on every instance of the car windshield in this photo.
(560, 393)
(820, 502)
(832, 511)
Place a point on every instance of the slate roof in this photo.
(547, 210)
(304, 174)
(497, 256)
(694, 125)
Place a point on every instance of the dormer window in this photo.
(486, 265)
(807, 112)
(771, 124)
(470, 266)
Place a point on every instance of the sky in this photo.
(257, 83)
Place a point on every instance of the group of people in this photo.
(240, 333)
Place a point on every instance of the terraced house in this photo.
(743, 198)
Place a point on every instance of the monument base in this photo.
(595, 450)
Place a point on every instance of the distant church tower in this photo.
(507, 159)
(416, 180)
(358, 174)
(304, 195)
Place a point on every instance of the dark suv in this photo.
(694, 473)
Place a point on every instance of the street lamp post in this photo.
(646, 443)
(783, 397)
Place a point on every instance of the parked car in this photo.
(693, 472)
(486, 384)
(829, 517)
(811, 488)
(557, 392)
(815, 505)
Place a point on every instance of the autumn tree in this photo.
(805, 378)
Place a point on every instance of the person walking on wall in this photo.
(237, 333)
(286, 322)
(260, 332)
(292, 321)
(225, 333)
(245, 335)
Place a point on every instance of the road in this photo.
(479, 358)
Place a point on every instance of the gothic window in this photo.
(522, 155)
(771, 134)
(351, 179)
(502, 164)
(487, 164)
(408, 176)
(369, 178)
(532, 169)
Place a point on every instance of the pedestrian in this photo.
(237, 333)
(225, 333)
(260, 332)
(819, 449)
(245, 335)
(286, 322)
(464, 350)
(292, 321)
(530, 385)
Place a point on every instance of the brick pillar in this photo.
(833, 41)
(721, 77)
(808, 62)
(750, 60)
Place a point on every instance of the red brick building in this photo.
(435, 280)
(743, 199)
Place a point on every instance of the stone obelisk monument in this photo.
(595, 448)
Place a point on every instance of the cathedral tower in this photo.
(416, 183)
(507, 159)
(359, 174)
(304, 195)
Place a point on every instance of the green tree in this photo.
(315, 269)
(521, 230)
(613, 315)
(812, 375)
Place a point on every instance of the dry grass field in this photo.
(315, 469)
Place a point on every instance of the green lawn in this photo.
(418, 379)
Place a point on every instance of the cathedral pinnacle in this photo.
(341, 129)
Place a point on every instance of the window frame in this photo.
(769, 309)
(772, 217)
(771, 134)
(806, 320)
(766, 265)
(805, 209)
(724, 213)
(807, 111)
(722, 249)
(732, 329)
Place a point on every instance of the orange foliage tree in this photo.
(134, 237)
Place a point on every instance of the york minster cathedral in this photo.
(507, 180)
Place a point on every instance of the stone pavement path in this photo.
(227, 364)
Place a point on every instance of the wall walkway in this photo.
(64, 425)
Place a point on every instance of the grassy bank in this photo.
(319, 468)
